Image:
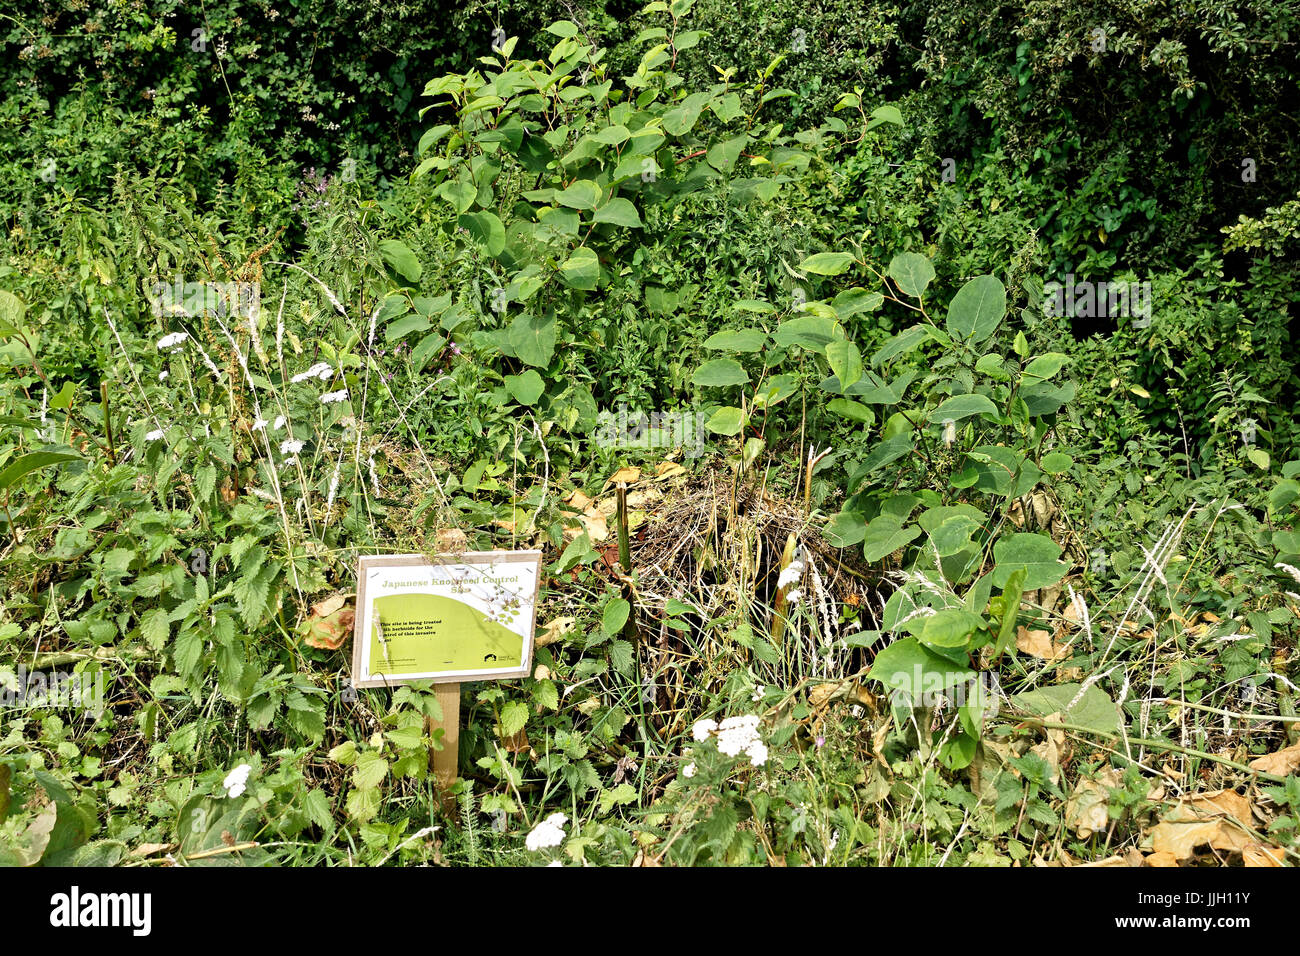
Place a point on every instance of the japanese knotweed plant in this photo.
(957, 431)
(552, 171)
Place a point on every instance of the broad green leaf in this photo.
(908, 666)
(619, 212)
(963, 406)
(912, 272)
(533, 339)
(527, 388)
(722, 156)
(1044, 367)
(582, 269)
(737, 340)
(1092, 708)
(900, 344)
(1287, 542)
(719, 373)
(486, 230)
(727, 420)
(954, 535)
(950, 627)
(25, 464)
(1038, 554)
(827, 263)
(885, 114)
(810, 331)
(1011, 594)
(584, 194)
(615, 616)
(845, 529)
(885, 535)
(854, 411)
(845, 361)
(1056, 462)
(402, 260)
(12, 310)
(977, 309)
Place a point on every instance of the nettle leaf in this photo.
(845, 362)
(402, 260)
(977, 309)
(719, 373)
(619, 212)
(533, 339)
(912, 272)
(155, 629)
(251, 592)
(827, 263)
(1038, 554)
(963, 406)
(514, 716)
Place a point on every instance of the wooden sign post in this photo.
(448, 619)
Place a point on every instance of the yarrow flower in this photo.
(154, 435)
(172, 341)
(792, 574)
(236, 781)
(321, 370)
(290, 447)
(737, 735)
(329, 398)
(689, 770)
(703, 729)
(548, 833)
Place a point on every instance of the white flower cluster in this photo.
(236, 781)
(790, 577)
(173, 341)
(735, 736)
(261, 424)
(155, 435)
(321, 370)
(329, 398)
(548, 833)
